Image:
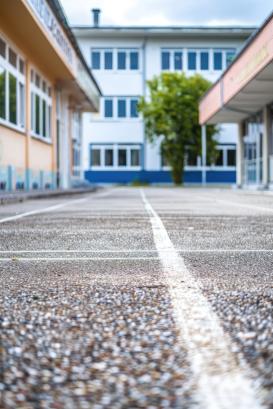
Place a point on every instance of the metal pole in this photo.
(204, 155)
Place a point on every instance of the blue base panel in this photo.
(161, 176)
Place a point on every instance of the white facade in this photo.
(146, 52)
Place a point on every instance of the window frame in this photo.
(128, 51)
(43, 96)
(20, 78)
(115, 148)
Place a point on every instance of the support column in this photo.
(265, 144)
(240, 156)
(28, 129)
(204, 154)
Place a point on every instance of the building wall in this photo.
(99, 131)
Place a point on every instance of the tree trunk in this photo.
(177, 174)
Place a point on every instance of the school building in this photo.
(244, 95)
(45, 86)
(122, 59)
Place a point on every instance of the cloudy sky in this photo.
(170, 12)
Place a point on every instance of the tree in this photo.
(171, 114)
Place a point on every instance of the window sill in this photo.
(12, 126)
(41, 139)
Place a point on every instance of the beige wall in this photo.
(12, 147)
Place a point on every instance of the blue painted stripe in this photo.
(161, 176)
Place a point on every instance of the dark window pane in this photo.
(134, 60)
(2, 48)
(231, 157)
(95, 60)
(49, 122)
(178, 60)
(204, 60)
(12, 99)
(21, 66)
(122, 156)
(121, 108)
(22, 104)
(37, 114)
(135, 157)
(219, 160)
(37, 80)
(109, 157)
(192, 60)
(95, 157)
(108, 60)
(165, 60)
(229, 57)
(44, 117)
(191, 159)
(2, 93)
(12, 58)
(133, 108)
(108, 108)
(121, 60)
(217, 60)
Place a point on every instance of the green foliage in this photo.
(171, 114)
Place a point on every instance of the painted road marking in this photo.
(52, 208)
(43, 210)
(76, 258)
(139, 251)
(221, 383)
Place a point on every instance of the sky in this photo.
(170, 12)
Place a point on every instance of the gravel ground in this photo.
(100, 333)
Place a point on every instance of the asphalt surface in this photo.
(87, 313)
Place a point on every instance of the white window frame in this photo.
(115, 116)
(185, 51)
(115, 148)
(20, 80)
(35, 90)
(115, 51)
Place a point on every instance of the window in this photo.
(108, 108)
(115, 156)
(2, 93)
(217, 60)
(220, 158)
(109, 157)
(230, 55)
(135, 157)
(231, 157)
(41, 103)
(204, 60)
(134, 60)
(108, 60)
(121, 60)
(95, 157)
(95, 60)
(165, 60)
(122, 108)
(122, 157)
(178, 60)
(12, 87)
(133, 108)
(192, 60)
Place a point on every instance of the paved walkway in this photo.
(138, 298)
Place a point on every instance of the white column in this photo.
(204, 154)
(240, 156)
(266, 136)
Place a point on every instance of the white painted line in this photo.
(55, 207)
(43, 210)
(138, 251)
(13, 259)
(221, 383)
(253, 207)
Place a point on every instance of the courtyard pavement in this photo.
(137, 298)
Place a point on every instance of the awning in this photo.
(246, 86)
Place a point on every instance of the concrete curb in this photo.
(9, 198)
